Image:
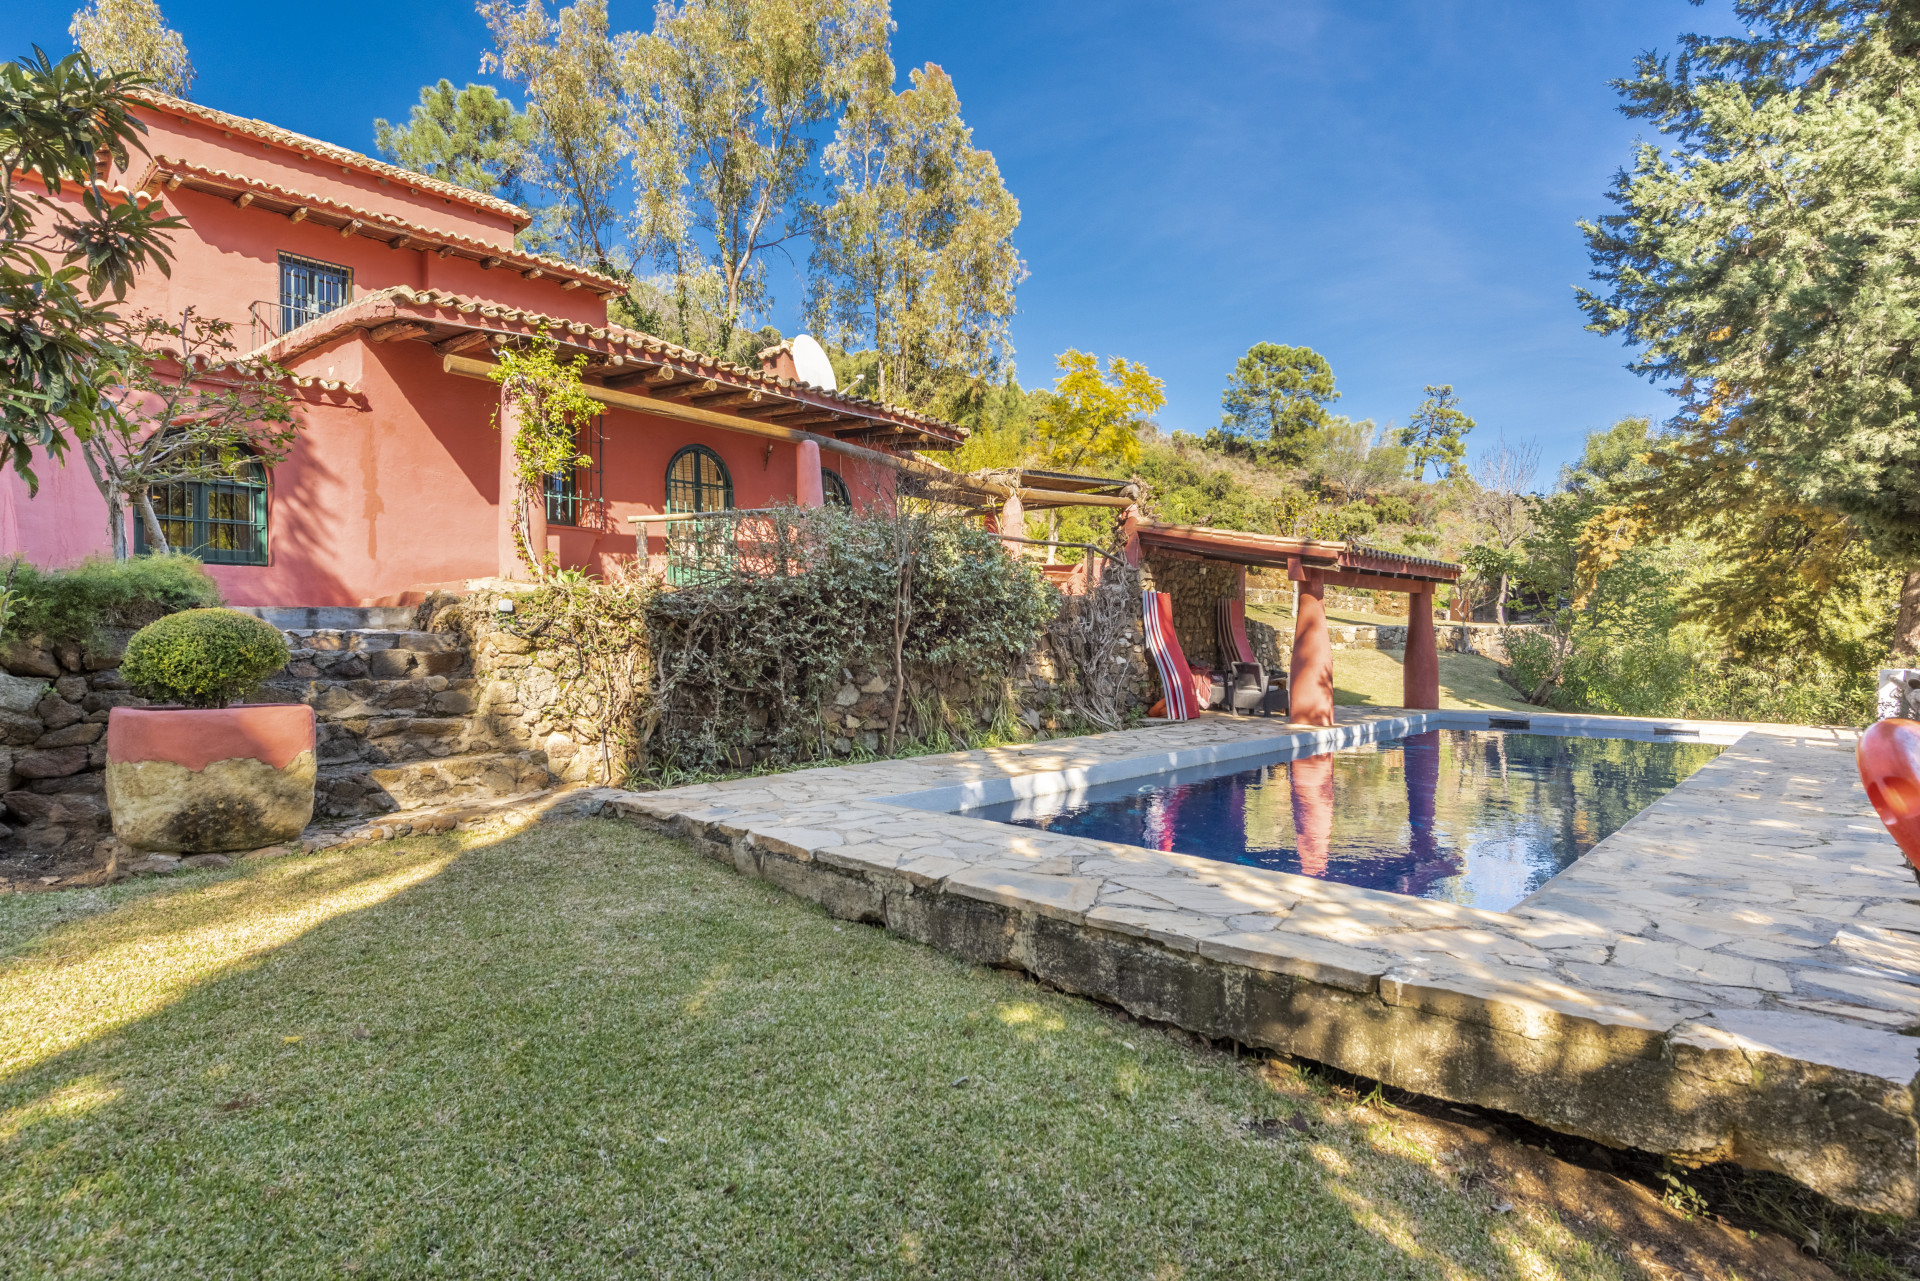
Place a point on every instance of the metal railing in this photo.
(703, 547)
(269, 319)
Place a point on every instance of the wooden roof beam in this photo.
(462, 342)
(395, 330)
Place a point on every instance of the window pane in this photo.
(309, 290)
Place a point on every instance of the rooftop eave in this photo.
(314, 148)
(619, 359)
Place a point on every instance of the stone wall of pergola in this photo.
(1315, 566)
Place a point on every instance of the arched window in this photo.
(834, 489)
(697, 481)
(223, 522)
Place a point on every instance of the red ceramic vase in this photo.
(1889, 757)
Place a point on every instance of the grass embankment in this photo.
(584, 1051)
(1373, 677)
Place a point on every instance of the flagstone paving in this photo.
(1730, 976)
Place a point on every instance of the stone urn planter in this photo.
(186, 780)
(202, 776)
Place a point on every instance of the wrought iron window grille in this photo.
(578, 497)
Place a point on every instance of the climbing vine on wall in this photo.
(745, 663)
(741, 669)
(551, 407)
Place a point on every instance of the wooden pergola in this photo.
(1314, 566)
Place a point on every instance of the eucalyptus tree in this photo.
(724, 103)
(132, 36)
(1763, 265)
(571, 67)
(914, 254)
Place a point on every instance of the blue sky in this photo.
(1393, 183)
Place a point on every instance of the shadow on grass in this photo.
(584, 1051)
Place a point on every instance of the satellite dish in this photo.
(810, 364)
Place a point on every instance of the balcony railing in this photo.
(269, 319)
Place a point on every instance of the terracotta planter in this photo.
(190, 781)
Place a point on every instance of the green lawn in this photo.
(1373, 678)
(584, 1051)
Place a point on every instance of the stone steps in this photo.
(292, 617)
(401, 726)
(362, 788)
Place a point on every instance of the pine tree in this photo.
(1765, 268)
(470, 137)
(1437, 433)
(1278, 396)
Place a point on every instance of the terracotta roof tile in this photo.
(164, 167)
(338, 155)
(659, 350)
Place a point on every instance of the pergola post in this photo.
(809, 490)
(1013, 523)
(1310, 673)
(1421, 673)
(509, 554)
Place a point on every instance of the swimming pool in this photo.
(1477, 817)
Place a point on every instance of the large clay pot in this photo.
(1889, 757)
(203, 781)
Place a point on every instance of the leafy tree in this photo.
(1278, 395)
(131, 36)
(1503, 510)
(571, 68)
(725, 99)
(1437, 432)
(60, 257)
(1764, 268)
(182, 408)
(915, 252)
(1094, 419)
(471, 137)
(1354, 460)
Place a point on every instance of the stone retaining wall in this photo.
(53, 712)
(517, 699)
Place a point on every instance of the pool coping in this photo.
(1724, 978)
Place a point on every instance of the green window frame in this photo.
(223, 522)
(697, 481)
(834, 489)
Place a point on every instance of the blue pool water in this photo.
(1475, 817)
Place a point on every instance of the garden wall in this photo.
(518, 697)
(54, 702)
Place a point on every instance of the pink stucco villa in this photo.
(383, 293)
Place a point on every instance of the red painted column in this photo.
(1310, 675)
(1013, 524)
(808, 489)
(1311, 780)
(1421, 673)
(509, 557)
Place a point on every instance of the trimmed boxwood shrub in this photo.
(202, 657)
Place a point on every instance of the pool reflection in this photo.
(1468, 816)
